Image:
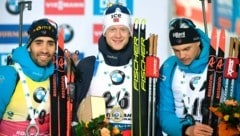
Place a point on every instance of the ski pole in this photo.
(149, 84)
(21, 6)
(70, 89)
(232, 62)
(155, 77)
(204, 15)
(152, 72)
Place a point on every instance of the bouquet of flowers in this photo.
(229, 114)
(97, 127)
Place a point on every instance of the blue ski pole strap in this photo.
(187, 122)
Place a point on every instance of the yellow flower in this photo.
(105, 132)
(106, 120)
(229, 114)
(98, 126)
(86, 125)
(231, 102)
(226, 117)
(236, 115)
(115, 131)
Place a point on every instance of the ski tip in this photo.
(222, 34)
(143, 24)
(214, 31)
(222, 39)
(61, 38)
(214, 37)
(136, 21)
(143, 21)
(139, 23)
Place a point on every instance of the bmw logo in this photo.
(68, 32)
(117, 77)
(12, 7)
(39, 94)
(194, 81)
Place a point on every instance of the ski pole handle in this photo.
(231, 68)
(232, 61)
(152, 65)
(21, 6)
(152, 61)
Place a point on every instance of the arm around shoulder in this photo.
(84, 73)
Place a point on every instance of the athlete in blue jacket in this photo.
(182, 83)
(24, 86)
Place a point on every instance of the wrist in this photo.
(189, 121)
(185, 131)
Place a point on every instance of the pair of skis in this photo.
(139, 94)
(61, 102)
(145, 74)
(218, 69)
(214, 78)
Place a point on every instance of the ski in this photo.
(62, 97)
(55, 87)
(210, 78)
(218, 78)
(70, 89)
(214, 78)
(139, 95)
(54, 100)
(57, 91)
(230, 71)
(143, 85)
(136, 80)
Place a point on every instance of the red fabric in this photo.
(152, 67)
(11, 128)
(126, 133)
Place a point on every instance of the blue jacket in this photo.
(168, 120)
(9, 77)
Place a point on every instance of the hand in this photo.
(238, 128)
(199, 130)
(75, 57)
(68, 55)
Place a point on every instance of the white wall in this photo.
(156, 13)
